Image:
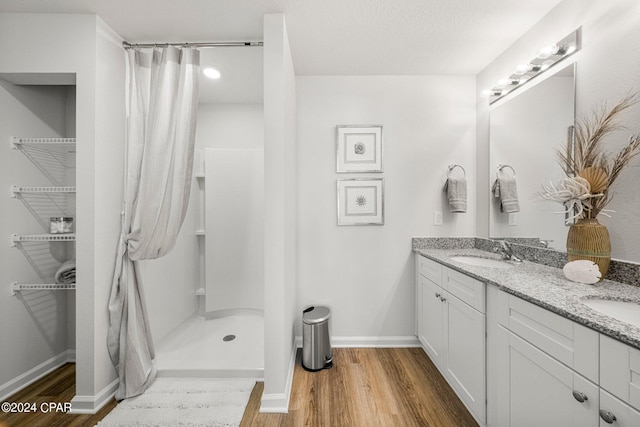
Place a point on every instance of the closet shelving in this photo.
(19, 287)
(50, 155)
(45, 202)
(55, 158)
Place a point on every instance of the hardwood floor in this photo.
(367, 387)
(59, 386)
(397, 387)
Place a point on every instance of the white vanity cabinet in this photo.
(532, 367)
(543, 367)
(547, 370)
(619, 383)
(451, 328)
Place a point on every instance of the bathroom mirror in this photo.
(526, 131)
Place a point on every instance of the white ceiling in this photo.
(327, 37)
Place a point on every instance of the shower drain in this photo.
(229, 338)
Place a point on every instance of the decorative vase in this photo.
(588, 239)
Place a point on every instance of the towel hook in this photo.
(453, 166)
(501, 166)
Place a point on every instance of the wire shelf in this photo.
(45, 260)
(46, 202)
(42, 190)
(69, 237)
(21, 140)
(19, 287)
(55, 157)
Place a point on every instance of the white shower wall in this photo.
(171, 282)
(234, 229)
(231, 139)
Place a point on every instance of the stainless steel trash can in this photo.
(316, 345)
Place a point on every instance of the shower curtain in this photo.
(162, 99)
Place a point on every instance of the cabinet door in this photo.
(432, 318)
(614, 412)
(465, 353)
(620, 370)
(536, 390)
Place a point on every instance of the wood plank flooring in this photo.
(58, 386)
(395, 387)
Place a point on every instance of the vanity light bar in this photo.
(547, 57)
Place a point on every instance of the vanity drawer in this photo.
(565, 340)
(429, 269)
(620, 370)
(465, 288)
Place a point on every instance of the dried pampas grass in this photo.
(587, 158)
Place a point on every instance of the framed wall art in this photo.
(358, 148)
(360, 201)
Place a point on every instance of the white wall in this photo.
(108, 171)
(34, 324)
(82, 44)
(230, 126)
(170, 282)
(234, 228)
(365, 274)
(608, 66)
(280, 255)
(240, 128)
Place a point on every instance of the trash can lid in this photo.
(315, 314)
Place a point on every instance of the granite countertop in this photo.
(548, 288)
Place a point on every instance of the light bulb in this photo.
(212, 73)
(503, 82)
(547, 51)
(522, 69)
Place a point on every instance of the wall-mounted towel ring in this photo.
(501, 167)
(456, 189)
(453, 166)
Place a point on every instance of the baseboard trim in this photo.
(371, 342)
(92, 404)
(34, 374)
(278, 403)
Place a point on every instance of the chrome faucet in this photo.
(507, 252)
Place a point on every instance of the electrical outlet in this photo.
(513, 219)
(437, 217)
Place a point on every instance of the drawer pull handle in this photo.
(607, 416)
(580, 396)
(438, 295)
(443, 299)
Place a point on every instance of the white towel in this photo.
(456, 189)
(66, 274)
(506, 190)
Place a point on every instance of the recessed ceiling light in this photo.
(212, 73)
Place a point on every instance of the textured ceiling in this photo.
(330, 37)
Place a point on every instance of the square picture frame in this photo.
(358, 148)
(360, 201)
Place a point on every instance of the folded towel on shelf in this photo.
(456, 189)
(506, 190)
(66, 274)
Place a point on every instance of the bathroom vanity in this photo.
(520, 345)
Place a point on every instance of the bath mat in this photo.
(180, 402)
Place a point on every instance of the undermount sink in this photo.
(480, 261)
(625, 311)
